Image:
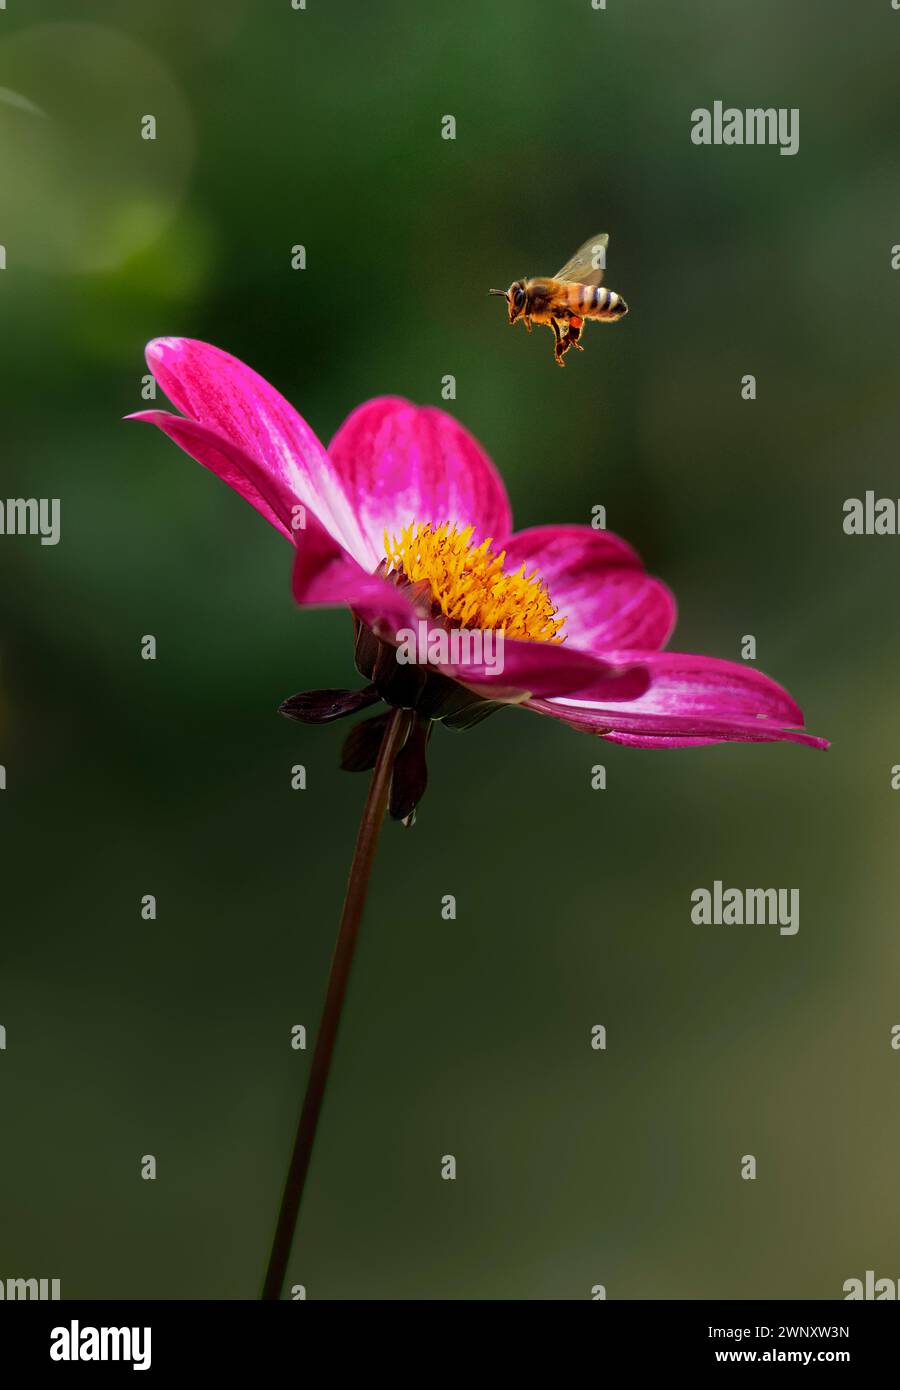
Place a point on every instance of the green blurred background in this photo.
(127, 777)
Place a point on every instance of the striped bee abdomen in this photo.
(595, 302)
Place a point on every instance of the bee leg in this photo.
(528, 323)
(574, 333)
(561, 345)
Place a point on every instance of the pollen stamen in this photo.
(469, 585)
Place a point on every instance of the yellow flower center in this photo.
(469, 585)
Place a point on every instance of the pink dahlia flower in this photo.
(405, 520)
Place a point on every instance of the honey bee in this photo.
(573, 295)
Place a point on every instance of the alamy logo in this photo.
(871, 516)
(77, 1343)
(31, 516)
(735, 907)
(44, 1289)
(459, 647)
(756, 125)
(872, 1288)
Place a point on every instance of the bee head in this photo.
(515, 299)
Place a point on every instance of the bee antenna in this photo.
(503, 293)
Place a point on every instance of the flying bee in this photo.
(574, 294)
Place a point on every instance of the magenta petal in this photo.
(733, 735)
(552, 544)
(549, 668)
(691, 699)
(401, 463)
(325, 575)
(598, 582)
(687, 684)
(657, 731)
(227, 397)
(238, 470)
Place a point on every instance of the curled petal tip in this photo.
(157, 347)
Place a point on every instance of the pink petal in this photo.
(691, 699)
(733, 735)
(234, 467)
(518, 668)
(550, 668)
(402, 463)
(227, 397)
(598, 582)
(325, 575)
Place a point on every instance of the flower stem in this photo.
(354, 902)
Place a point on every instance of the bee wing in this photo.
(586, 267)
